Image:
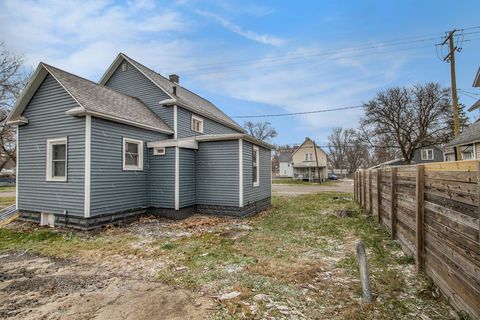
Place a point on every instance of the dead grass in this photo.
(294, 261)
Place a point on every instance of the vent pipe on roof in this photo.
(174, 78)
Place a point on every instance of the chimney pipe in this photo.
(174, 90)
(174, 78)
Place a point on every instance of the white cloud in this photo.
(251, 35)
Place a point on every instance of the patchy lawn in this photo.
(294, 261)
(7, 189)
(6, 201)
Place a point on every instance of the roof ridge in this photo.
(184, 88)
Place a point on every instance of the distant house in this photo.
(469, 139)
(285, 161)
(420, 155)
(305, 164)
(91, 153)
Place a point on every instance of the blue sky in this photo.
(252, 57)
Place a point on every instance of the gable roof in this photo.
(285, 157)
(307, 139)
(184, 97)
(92, 99)
(469, 135)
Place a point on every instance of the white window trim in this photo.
(197, 118)
(426, 158)
(257, 183)
(50, 143)
(140, 155)
(159, 151)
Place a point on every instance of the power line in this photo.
(295, 113)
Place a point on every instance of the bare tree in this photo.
(13, 79)
(347, 150)
(409, 118)
(260, 130)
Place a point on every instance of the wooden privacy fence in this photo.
(433, 211)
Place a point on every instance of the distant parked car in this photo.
(332, 177)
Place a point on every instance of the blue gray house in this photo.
(91, 154)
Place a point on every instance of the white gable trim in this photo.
(116, 63)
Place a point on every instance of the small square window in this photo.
(158, 151)
(197, 124)
(57, 159)
(124, 66)
(132, 154)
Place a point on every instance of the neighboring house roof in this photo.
(183, 97)
(94, 99)
(398, 161)
(476, 82)
(306, 140)
(285, 157)
(469, 135)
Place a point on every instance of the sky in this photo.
(259, 57)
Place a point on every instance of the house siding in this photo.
(187, 178)
(112, 188)
(184, 125)
(218, 173)
(437, 155)
(47, 119)
(162, 179)
(252, 194)
(133, 83)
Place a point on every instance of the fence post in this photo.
(364, 189)
(393, 208)
(370, 191)
(420, 184)
(379, 195)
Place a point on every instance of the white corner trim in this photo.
(49, 151)
(88, 151)
(177, 178)
(175, 121)
(257, 162)
(240, 173)
(140, 155)
(16, 169)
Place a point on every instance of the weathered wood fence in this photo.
(433, 210)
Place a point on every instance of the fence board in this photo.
(433, 211)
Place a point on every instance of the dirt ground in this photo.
(39, 287)
(299, 189)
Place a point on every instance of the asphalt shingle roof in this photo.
(468, 135)
(103, 100)
(285, 157)
(185, 96)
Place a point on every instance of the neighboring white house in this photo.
(285, 162)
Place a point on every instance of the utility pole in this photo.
(316, 159)
(451, 58)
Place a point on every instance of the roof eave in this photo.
(80, 112)
(234, 136)
(476, 82)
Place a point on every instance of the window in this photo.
(197, 124)
(467, 152)
(124, 66)
(57, 159)
(158, 151)
(427, 154)
(311, 157)
(255, 167)
(306, 156)
(132, 154)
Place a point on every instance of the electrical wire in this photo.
(295, 113)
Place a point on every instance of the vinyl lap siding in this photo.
(135, 84)
(184, 125)
(47, 119)
(112, 189)
(217, 173)
(187, 177)
(162, 179)
(264, 190)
